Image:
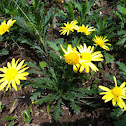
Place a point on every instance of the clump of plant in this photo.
(69, 61)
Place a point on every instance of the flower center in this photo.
(86, 56)
(68, 27)
(100, 42)
(11, 73)
(72, 58)
(116, 91)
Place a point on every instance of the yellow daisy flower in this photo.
(5, 27)
(72, 57)
(101, 42)
(86, 56)
(13, 73)
(69, 27)
(117, 94)
(87, 30)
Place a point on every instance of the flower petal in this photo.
(3, 85)
(104, 88)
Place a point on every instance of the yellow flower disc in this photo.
(116, 91)
(72, 58)
(100, 42)
(83, 29)
(86, 56)
(11, 74)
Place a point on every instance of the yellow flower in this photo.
(72, 57)
(117, 94)
(86, 56)
(101, 42)
(13, 73)
(69, 27)
(5, 27)
(85, 30)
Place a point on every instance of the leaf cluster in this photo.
(59, 86)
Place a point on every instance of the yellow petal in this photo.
(106, 98)
(122, 85)
(115, 81)
(114, 100)
(75, 69)
(63, 49)
(120, 104)
(17, 81)
(87, 68)
(2, 75)
(14, 85)
(20, 65)
(2, 80)
(93, 67)
(3, 85)
(22, 78)
(103, 93)
(23, 70)
(13, 63)
(9, 65)
(8, 85)
(81, 69)
(23, 74)
(104, 88)
(17, 62)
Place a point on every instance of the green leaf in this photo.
(69, 8)
(33, 65)
(117, 112)
(11, 123)
(42, 64)
(35, 95)
(121, 41)
(27, 116)
(53, 45)
(89, 5)
(121, 122)
(109, 76)
(48, 17)
(33, 2)
(122, 67)
(44, 82)
(123, 10)
(48, 98)
(77, 5)
(118, 14)
(70, 95)
(109, 58)
(100, 65)
(9, 118)
(51, 70)
(4, 52)
(57, 110)
(75, 107)
(48, 109)
(84, 9)
(20, 21)
(1, 38)
(24, 3)
(122, 32)
(89, 103)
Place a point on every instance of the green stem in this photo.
(13, 106)
(78, 41)
(40, 37)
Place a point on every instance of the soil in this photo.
(88, 117)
